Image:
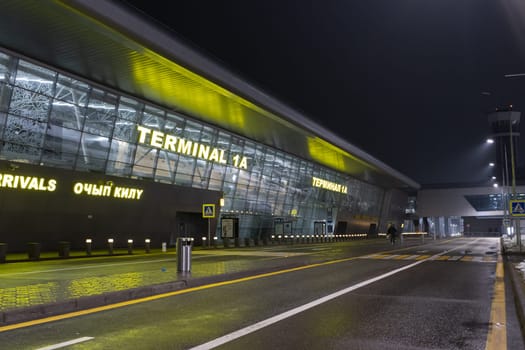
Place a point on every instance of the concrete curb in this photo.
(518, 289)
(31, 313)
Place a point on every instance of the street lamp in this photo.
(500, 120)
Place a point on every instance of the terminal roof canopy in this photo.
(110, 44)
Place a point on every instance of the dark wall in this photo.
(29, 215)
(486, 227)
(347, 222)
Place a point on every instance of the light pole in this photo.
(518, 229)
(503, 122)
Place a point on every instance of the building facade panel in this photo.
(53, 120)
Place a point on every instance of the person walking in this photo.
(392, 232)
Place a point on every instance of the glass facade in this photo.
(55, 120)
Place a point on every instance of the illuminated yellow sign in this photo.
(187, 147)
(328, 185)
(107, 191)
(208, 210)
(32, 183)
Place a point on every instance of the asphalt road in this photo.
(436, 296)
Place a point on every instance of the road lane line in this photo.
(426, 257)
(401, 257)
(411, 257)
(497, 335)
(392, 256)
(66, 343)
(277, 318)
(455, 257)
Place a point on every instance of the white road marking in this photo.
(391, 256)
(411, 257)
(269, 321)
(455, 257)
(66, 343)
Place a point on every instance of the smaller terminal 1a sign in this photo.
(517, 207)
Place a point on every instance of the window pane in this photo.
(5, 66)
(100, 113)
(125, 130)
(61, 141)
(144, 162)
(24, 131)
(165, 166)
(62, 160)
(73, 91)
(29, 104)
(93, 152)
(153, 118)
(68, 115)
(21, 153)
(35, 78)
(119, 169)
(121, 152)
(129, 109)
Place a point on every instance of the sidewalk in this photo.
(37, 289)
(515, 267)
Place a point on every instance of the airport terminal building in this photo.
(112, 127)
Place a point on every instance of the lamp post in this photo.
(518, 229)
(500, 121)
(513, 170)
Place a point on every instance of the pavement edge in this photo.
(518, 289)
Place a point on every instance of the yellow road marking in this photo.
(401, 257)
(467, 258)
(422, 257)
(443, 257)
(497, 335)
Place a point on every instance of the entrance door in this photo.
(319, 228)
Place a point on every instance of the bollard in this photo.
(130, 246)
(110, 246)
(3, 252)
(164, 247)
(63, 249)
(33, 250)
(88, 246)
(147, 245)
(184, 254)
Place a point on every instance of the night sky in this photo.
(408, 81)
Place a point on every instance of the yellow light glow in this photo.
(93, 189)
(30, 183)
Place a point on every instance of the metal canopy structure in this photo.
(114, 46)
